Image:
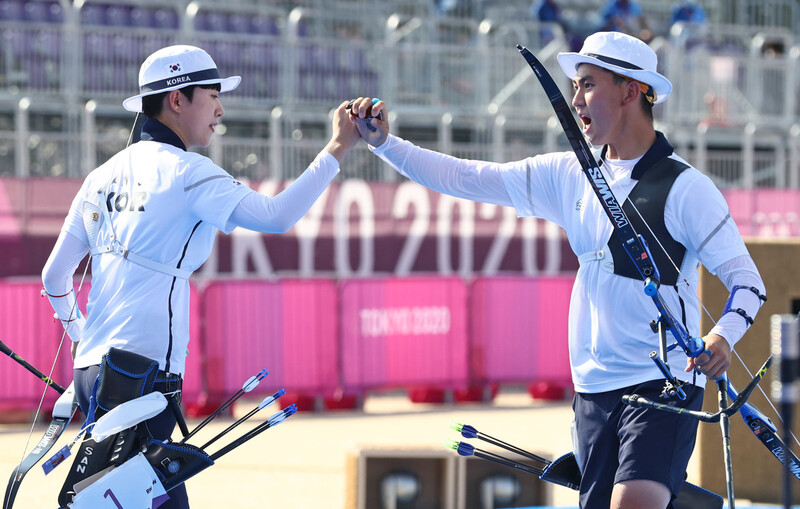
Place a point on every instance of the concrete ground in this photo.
(302, 463)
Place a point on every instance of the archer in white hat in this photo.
(629, 458)
(622, 71)
(149, 217)
(176, 67)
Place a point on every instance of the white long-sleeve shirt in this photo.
(166, 205)
(609, 333)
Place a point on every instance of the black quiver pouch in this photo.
(174, 463)
(565, 472)
(123, 376)
(695, 497)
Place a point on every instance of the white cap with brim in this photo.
(622, 54)
(177, 67)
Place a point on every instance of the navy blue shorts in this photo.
(617, 442)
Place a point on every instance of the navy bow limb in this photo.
(64, 409)
(766, 432)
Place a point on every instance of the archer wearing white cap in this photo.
(149, 217)
(629, 457)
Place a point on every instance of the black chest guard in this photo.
(650, 197)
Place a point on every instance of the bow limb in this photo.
(766, 432)
(64, 409)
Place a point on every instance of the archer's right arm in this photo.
(57, 280)
(71, 247)
(470, 179)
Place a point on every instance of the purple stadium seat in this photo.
(37, 75)
(20, 42)
(316, 65)
(201, 21)
(263, 56)
(215, 21)
(343, 83)
(55, 13)
(262, 84)
(95, 48)
(165, 18)
(369, 83)
(126, 48)
(247, 88)
(118, 15)
(37, 12)
(353, 59)
(229, 52)
(48, 44)
(142, 17)
(93, 14)
(12, 10)
(264, 25)
(121, 81)
(210, 47)
(93, 78)
(239, 23)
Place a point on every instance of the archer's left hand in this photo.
(720, 360)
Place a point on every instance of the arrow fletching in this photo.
(253, 381)
(271, 399)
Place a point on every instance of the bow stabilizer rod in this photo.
(25, 364)
(739, 400)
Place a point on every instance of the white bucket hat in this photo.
(622, 54)
(176, 67)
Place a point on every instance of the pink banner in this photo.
(519, 330)
(770, 213)
(404, 332)
(288, 327)
(27, 327)
(367, 229)
(355, 228)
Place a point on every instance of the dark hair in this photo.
(153, 105)
(647, 106)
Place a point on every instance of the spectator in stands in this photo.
(626, 16)
(688, 11)
(616, 85)
(693, 23)
(149, 217)
(548, 11)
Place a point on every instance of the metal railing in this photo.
(457, 78)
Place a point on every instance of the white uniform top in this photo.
(609, 333)
(166, 205)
